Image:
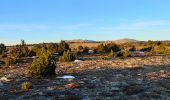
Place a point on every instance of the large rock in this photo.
(5, 79)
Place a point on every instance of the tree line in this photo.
(44, 62)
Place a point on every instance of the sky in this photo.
(38, 21)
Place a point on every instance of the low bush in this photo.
(26, 86)
(32, 53)
(42, 66)
(66, 57)
(167, 52)
(123, 54)
(148, 53)
(119, 54)
(10, 61)
(101, 48)
(126, 54)
(147, 49)
(102, 58)
(77, 54)
(112, 54)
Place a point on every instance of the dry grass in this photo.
(90, 45)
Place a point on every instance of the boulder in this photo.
(5, 79)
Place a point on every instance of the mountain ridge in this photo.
(123, 40)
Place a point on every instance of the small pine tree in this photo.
(101, 48)
(42, 66)
(133, 48)
(25, 86)
(77, 54)
(112, 54)
(10, 61)
(2, 48)
(80, 48)
(23, 43)
(126, 54)
(63, 46)
(85, 50)
(67, 56)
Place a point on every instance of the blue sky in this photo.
(38, 21)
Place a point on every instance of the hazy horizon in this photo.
(51, 21)
(29, 42)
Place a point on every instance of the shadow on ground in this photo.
(140, 83)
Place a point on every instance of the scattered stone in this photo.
(72, 85)
(5, 79)
(78, 61)
(118, 79)
(56, 87)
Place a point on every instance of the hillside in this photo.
(125, 40)
(80, 41)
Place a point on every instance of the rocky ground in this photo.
(137, 78)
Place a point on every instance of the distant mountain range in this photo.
(125, 40)
(80, 41)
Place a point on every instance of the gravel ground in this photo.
(139, 78)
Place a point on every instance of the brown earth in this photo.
(137, 78)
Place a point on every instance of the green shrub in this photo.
(77, 54)
(159, 49)
(126, 54)
(102, 58)
(32, 53)
(167, 52)
(148, 49)
(119, 54)
(133, 48)
(80, 48)
(112, 54)
(42, 66)
(112, 46)
(85, 50)
(19, 51)
(101, 48)
(26, 86)
(148, 53)
(2, 48)
(52, 47)
(123, 54)
(67, 56)
(63, 46)
(10, 61)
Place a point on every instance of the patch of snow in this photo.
(78, 60)
(67, 77)
(4, 79)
